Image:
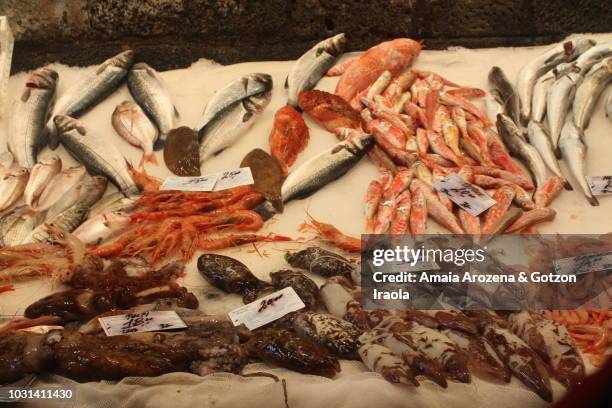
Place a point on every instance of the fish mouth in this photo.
(43, 78)
(124, 60)
(336, 45)
(64, 123)
(264, 79)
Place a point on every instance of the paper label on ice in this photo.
(465, 195)
(267, 309)
(200, 183)
(582, 264)
(234, 178)
(600, 185)
(154, 320)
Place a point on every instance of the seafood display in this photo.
(104, 238)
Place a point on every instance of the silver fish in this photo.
(8, 220)
(540, 94)
(312, 65)
(559, 99)
(67, 200)
(244, 87)
(593, 55)
(59, 186)
(587, 93)
(504, 92)
(530, 72)
(111, 202)
(12, 186)
(541, 141)
(133, 125)
(96, 153)
(30, 114)
(518, 146)
(68, 220)
(325, 167)
(149, 91)
(20, 230)
(91, 89)
(41, 175)
(102, 226)
(574, 152)
(227, 127)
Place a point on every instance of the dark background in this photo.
(174, 33)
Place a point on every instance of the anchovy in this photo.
(518, 146)
(91, 89)
(229, 125)
(504, 92)
(30, 114)
(559, 99)
(95, 153)
(589, 90)
(530, 72)
(574, 151)
(312, 65)
(245, 87)
(541, 141)
(149, 91)
(41, 175)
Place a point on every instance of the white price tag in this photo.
(267, 309)
(582, 264)
(464, 194)
(600, 185)
(234, 178)
(201, 183)
(141, 322)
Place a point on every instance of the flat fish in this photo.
(267, 174)
(29, 116)
(312, 65)
(182, 152)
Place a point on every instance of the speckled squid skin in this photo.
(305, 287)
(321, 262)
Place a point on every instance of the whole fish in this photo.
(540, 94)
(244, 87)
(30, 114)
(558, 100)
(132, 124)
(23, 226)
(60, 188)
(312, 65)
(104, 225)
(503, 90)
(91, 89)
(325, 167)
(95, 153)
(41, 175)
(589, 90)
(518, 146)
(593, 55)
(574, 152)
(541, 141)
(149, 91)
(543, 63)
(289, 136)
(8, 221)
(111, 202)
(227, 127)
(12, 186)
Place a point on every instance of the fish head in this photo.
(579, 46)
(359, 141)
(65, 124)
(259, 80)
(123, 60)
(258, 102)
(19, 173)
(335, 45)
(43, 78)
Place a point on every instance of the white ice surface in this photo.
(339, 203)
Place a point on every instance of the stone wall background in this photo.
(174, 33)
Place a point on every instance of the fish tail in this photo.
(148, 158)
(593, 201)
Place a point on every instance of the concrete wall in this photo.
(174, 33)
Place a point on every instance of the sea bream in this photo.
(312, 65)
(133, 125)
(91, 90)
(149, 91)
(543, 63)
(244, 87)
(29, 116)
(95, 152)
(60, 188)
(587, 93)
(41, 175)
(12, 186)
(231, 123)
(518, 146)
(574, 151)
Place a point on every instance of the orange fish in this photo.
(289, 136)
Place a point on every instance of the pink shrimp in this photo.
(333, 235)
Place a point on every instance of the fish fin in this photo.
(81, 129)
(148, 158)
(558, 154)
(247, 116)
(26, 94)
(287, 81)
(593, 201)
(176, 112)
(568, 186)
(53, 140)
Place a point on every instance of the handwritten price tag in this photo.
(600, 185)
(267, 309)
(579, 265)
(203, 183)
(234, 178)
(141, 322)
(464, 194)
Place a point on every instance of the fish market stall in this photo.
(254, 236)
